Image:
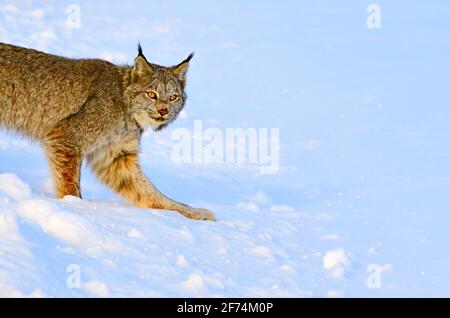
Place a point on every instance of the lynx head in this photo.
(156, 93)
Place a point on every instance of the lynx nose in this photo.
(163, 111)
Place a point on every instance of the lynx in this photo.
(91, 109)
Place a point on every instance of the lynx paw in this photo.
(200, 214)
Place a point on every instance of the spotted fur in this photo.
(90, 108)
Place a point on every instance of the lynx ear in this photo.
(141, 67)
(181, 69)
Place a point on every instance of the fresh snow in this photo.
(359, 206)
(124, 251)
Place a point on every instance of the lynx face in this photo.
(157, 92)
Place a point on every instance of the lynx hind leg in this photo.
(65, 163)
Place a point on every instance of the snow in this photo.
(65, 227)
(96, 288)
(15, 188)
(281, 208)
(194, 285)
(182, 261)
(334, 258)
(358, 206)
(330, 237)
(336, 262)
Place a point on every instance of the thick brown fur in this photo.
(90, 108)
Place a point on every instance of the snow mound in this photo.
(13, 187)
(74, 247)
(66, 227)
(336, 262)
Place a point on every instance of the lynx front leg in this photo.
(121, 171)
(65, 162)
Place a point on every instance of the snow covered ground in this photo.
(360, 205)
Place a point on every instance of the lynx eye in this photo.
(173, 97)
(152, 95)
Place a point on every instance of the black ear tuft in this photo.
(180, 70)
(140, 52)
(189, 57)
